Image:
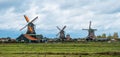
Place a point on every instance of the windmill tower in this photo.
(61, 33)
(30, 35)
(91, 33)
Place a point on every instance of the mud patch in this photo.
(109, 53)
(50, 53)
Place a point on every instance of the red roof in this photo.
(29, 37)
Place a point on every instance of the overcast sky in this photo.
(75, 14)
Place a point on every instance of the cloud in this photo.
(104, 14)
(105, 6)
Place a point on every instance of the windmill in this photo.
(30, 26)
(30, 35)
(91, 33)
(61, 33)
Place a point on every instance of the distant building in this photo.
(8, 39)
(68, 37)
(101, 39)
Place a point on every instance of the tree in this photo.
(103, 35)
(99, 36)
(109, 36)
(115, 35)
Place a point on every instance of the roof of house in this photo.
(29, 37)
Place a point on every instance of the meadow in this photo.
(81, 49)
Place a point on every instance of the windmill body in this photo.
(31, 29)
(91, 32)
(62, 34)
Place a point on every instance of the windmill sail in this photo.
(26, 18)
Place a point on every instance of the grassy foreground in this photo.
(87, 49)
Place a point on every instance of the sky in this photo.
(75, 14)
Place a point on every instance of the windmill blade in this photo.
(30, 28)
(24, 27)
(58, 28)
(64, 27)
(26, 18)
(94, 29)
(90, 25)
(85, 29)
(34, 19)
(57, 34)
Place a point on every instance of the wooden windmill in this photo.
(91, 33)
(61, 33)
(30, 35)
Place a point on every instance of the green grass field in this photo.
(86, 49)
